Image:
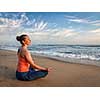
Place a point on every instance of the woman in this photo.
(26, 66)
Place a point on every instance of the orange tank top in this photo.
(23, 65)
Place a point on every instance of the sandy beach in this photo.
(63, 74)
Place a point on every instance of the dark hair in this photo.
(21, 38)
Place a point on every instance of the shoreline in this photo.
(70, 60)
(64, 74)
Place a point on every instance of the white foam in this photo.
(63, 55)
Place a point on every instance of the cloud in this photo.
(86, 20)
(8, 26)
(96, 22)
(14, 25)
(39, 26)
(95, 31)
(59, 37)
(43, 31)
(79, 20)
(10, 22)
(53, 36)
(95, 34)
(70, 17)
(76, 19)
(90, 37)
(64, 33)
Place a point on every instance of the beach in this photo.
(63, 74)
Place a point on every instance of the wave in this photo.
(68, 55)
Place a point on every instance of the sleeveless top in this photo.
(23, 65)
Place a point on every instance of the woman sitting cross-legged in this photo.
(26, 68)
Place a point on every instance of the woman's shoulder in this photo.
(25, 50)
(22, 49)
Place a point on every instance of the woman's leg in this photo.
(22, 76)
(32, 75)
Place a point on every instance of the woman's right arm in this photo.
(30, 60)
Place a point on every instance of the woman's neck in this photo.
(25, 46)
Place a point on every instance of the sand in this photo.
(63, 74)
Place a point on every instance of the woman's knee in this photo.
(45, 73)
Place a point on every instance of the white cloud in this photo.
(96, 22)
(90, 37)
(40, 34)
(65, 33)
(9, 22)
(79, 20)
(13, 25)
(95, 31)
(83, 20)
(52, 36)
(76, 19)
(70, 17)
(40, 26)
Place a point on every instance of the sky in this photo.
(69, 28)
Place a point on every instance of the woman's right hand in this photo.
(49, 69)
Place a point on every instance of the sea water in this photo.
(88, 54)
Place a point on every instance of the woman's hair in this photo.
(21, 38)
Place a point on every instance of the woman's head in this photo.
(23, 39)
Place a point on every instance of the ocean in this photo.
(85, 54)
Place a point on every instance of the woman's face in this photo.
(27, 40)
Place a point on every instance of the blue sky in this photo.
(51, 27)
